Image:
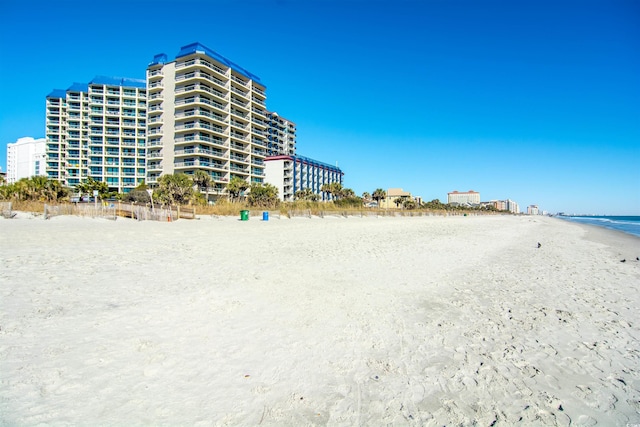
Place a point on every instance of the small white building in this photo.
(26, 158)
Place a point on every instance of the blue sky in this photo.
(536, 101)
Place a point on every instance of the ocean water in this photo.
(626, 224)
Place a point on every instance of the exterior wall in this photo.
(279, 172)
(533, 210)
(471, 197)
(205, 113)
(281, 138)
(296, 173)
(26, 158)
(98, 130)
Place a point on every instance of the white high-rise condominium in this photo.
(98, 130)
(25, 158)
(205, 114)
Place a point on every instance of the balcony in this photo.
(259, 122)
(239, 125)
(239, 103)
(212, 66)
(258, 111)
(239, 136)
(238, 80)
(237, 168)
(239, 158)
(200, 137)
(239, 92)
(199, 163)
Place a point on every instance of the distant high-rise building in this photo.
(468, 197)
(290, 174)
(205, 113)
(281, 138)
(512, 206)
(97, 130)
(533, 210)
(25, 158)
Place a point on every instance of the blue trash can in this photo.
(265, 216)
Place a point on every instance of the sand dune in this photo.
(336, 321)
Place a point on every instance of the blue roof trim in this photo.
(78, 87)
(317, 163)
(200, 48)
(119, 81)
(160, 58)
(57, 93)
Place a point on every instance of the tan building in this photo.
(389, 202)
(205, 113)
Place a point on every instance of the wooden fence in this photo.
(5, 209)
(112, 210)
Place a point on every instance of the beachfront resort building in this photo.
(470, 198)
(25, 158)
(97, 130)
(533, 210)
(504, 205)
(290, 174)
(281, 135)
(205, 113)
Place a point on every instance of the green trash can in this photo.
(244, 215)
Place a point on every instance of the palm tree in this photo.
(54, 191)
(306, 194)
(334, 190)
(236, 186)
(175, 188)
(366, 197)
(90, 185)
(201, 180)
(347, 192)
(378, 195)
(409, 204)
(263, 195)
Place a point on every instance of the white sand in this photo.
(334, 321)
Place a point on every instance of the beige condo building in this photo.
(205, 113)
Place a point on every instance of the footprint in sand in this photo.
(151, 370)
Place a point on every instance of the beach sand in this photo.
(419, 321)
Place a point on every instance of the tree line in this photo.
(183, 189)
